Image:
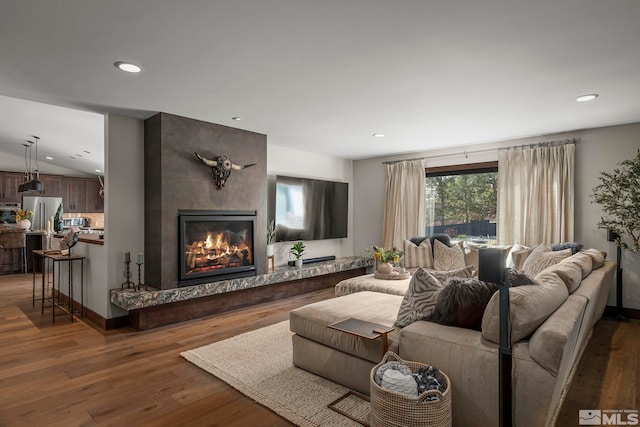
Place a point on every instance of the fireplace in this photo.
(215, 245)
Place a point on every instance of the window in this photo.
(462, 201)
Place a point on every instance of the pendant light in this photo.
(36, 184)
(31, 182)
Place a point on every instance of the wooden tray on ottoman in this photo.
(392, 276)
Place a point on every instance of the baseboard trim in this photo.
(631, 313)
(93, 317)
(104, 323)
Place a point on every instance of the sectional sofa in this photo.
(551, 322)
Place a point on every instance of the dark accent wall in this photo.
(175, 179)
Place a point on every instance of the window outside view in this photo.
(463, 205)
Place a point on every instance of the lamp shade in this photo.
(35, 185)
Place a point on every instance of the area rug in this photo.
(259, 365)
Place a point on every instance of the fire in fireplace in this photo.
(216, 245)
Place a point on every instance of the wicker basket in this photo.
(391, 409)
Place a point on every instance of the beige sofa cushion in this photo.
(542, 257)
(597, 256)
(558, 334)
(418, 255)
(569, 272)
(447, 258)
(529, 307)
(583, 260)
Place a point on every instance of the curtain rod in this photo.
(467, 152)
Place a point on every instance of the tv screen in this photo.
(310, 209)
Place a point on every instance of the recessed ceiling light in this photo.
(98, 170)
(88, 152)
(236, 118)
(128, 67)
(49, 158)
(379, 135)
(78, 155)
(72, 158)
(588, 97)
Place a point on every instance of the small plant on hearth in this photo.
(297, 250)
(271, 232)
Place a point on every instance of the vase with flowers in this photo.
(23, 218)
(386, 258)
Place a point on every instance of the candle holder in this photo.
(127, 274)
(49, 236)
(139, 287)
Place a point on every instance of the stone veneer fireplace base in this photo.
(151, 309)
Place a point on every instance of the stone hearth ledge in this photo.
(128, 299)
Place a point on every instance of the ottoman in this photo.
(339, 356)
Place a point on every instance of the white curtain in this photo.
(536, 194)
(404, 210)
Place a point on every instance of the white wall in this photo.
(123, 202)
(291, 162)
(598, 150)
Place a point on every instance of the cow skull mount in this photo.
(221, 168)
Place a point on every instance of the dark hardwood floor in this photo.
(74, 374)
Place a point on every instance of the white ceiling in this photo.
(323, 76)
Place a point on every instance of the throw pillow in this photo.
(574, 246)
(442, 276)
(447, 258)
(420, 299)
(517, 255)
(517, 278)
(542, 257)
(472, 253)
(416, 256)
(462, 303)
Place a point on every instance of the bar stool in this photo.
(9, 242)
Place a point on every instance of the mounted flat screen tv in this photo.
(310, 209)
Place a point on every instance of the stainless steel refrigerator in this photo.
(43, 209)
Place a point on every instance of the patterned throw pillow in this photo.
(542, 257)
(447, 258)
(466, 272)
(416, 256)
(420, 299)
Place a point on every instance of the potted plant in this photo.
(386, 258)
(617, 193)
(297, 250)
(271, 237)
(23, 218)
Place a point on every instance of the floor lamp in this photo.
(612, 236)
(492, 268)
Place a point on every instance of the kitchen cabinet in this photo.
(93, 202)
(73, 196)
(9, 182)
(52, 185)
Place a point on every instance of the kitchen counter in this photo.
(91, 238)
